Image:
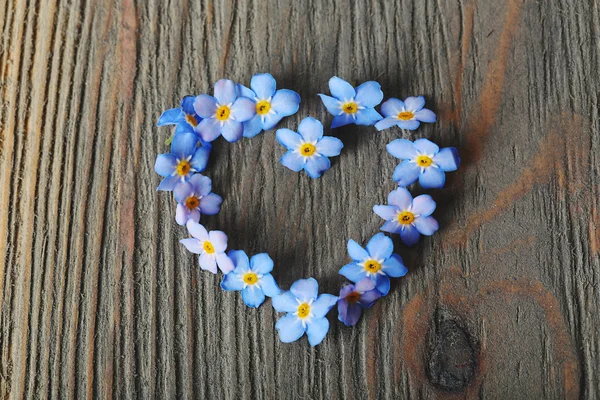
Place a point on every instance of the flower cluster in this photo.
(235, 111)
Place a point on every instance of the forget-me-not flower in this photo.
(224, 113)
(194, 198)
(308, 149)
(305, 310)
(185, 159)
(353, 298)
(407, 114)
(376, 262)
(410, 218)
(271, 104)
(350, 106)
(210, 246)
(253, 277)
(184, 116)
(422, 160)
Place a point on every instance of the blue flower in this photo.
(308, 149)
(422, 160)
(305, 312)
(376, 262)
(210, 246)
(252, 277)
(271, 105)
(410, 218)
(407, 114)
(353, 298)
(184, 116)
(194, 198)
(349, 106)
(184, 160)
(224, 113)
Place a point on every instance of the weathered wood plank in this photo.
(98, 298)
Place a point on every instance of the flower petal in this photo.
(182, 214)
(253, 126)
(410, 235)
(288, 138)
(225, 264)
(285, 102)
(426, 146)
(331, 104)
(165, 164)
(400, 198)
(183, 190)
(240, 260)
(170, 117)
(414, 104)
(394, 266)
(426, 225)
(329, 146)
(261, 263)
(200, 158)
(367, 117)
(187, 105)
(392, 227)
(402, 148)
(386, 123)
(184, 144)
(380, 247)
(305, 289)
(382, 284)
(406, 173)
(192, 245)
(348, 313)
(293, 161)
(364, 285)
(432, 178)
(340, 89)
(447, 159)
(202, 185)
(197, 230)
(369, 94)
(316, 165)
(356, 251)
(218, 240)
(209, 129)
(386, 212)
(368, 298)
(253, 296)
(321, 306)
(263, 85)
(224, 92)
(409, 125)
(210, 204)
(242, 90)
(290, 328)
(168, 183)
(270, 120)
(353, 272)
(392, 107)
(232, 281)
(341, 120)
(310, 129)
(423, 205)
(316, 331)
(425, 115)
(207, 262)
(285, 302)
(232, 131)
(205, 106)
(269, 286)
(243, 109)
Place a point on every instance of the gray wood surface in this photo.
(98, 298)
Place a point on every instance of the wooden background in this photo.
(98, 298)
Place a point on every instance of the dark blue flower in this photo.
(308, 149)
(422, 160)
(184, 160)
(253, 277)
(194, 198)
(349, 106)
(271, 104)
(353, 298)
(184, 117)
(376, 262)
(223, 114)
(410, 218)
(305, 312)
(407, 114)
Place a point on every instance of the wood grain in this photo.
(99, 300)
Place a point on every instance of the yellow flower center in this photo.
(307, 149)
(406, 217)
(424, 161)
(208, 247)
(303, 310)
(353, 297)
(183, 168)
(405, 116)
(372, 266)
(222, 113)
(191, 120)
(192, 202)
(263, 107)
(250, 278)
(350, 107)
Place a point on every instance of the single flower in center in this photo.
(350, 107)
(208, 247)
(424, 161)
(304, 310)
(183, 168)
(372, 266)
(406, 217)
(307, 149)
(353, 297)
(190, 119)
(250, 278)
(263, 107)
(192, 202)
(405, 115)
(222, 113)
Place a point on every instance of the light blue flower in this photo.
(308, 149)
(210, 246)
(271, 104)
(184, 116)
(410, 218)
(194, 198)
(422, 160)
(253, 277)
(349, 106)
(224, 113)
(407, 114)
(376, 262)
(184, 160)
(305, 312)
